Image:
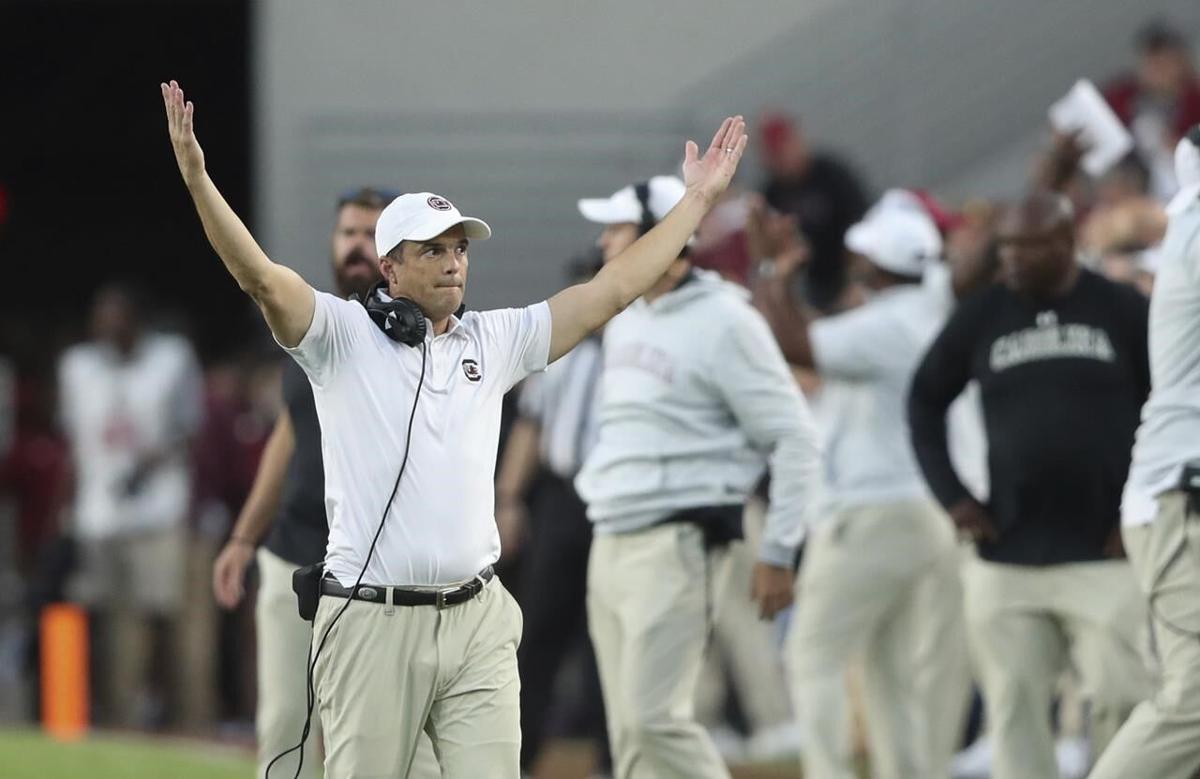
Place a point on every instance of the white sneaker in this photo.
(974, 762)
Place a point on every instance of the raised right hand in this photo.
(229, 573)
(710, 175)
(188, 154)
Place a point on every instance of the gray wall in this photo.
(511, 109)
(948, 94)
(515, 109)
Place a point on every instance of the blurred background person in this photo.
(1054, 349)
(241, 403)
(820, 192)
(880, 580)
(743, 698)
(1159, 101)
(130, 404)
(684, 435)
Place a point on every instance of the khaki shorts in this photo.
(143, 572)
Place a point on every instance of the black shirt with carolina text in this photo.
(301, 529)
(1062, 386)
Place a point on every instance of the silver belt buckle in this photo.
(440, 600)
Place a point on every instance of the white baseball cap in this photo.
(419, 216)
(896, 240)
(896, 199)
(1187, 172)
(623, 205)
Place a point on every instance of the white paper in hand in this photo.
(1084, 110)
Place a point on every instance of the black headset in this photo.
(399, 318)
(642, 191)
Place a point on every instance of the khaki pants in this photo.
(387, 673)
(135, 581)
(650, 600)
(880, 584)
(282, 638)
(1161, 739)
(1023, 624)
(743, 645)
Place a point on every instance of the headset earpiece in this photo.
(399, 318)
(642, 191)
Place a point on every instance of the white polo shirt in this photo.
(441, 525)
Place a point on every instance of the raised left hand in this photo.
(710, 175)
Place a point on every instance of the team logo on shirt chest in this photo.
(471, 370)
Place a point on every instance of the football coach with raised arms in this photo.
(413, 631)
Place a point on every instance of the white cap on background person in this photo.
(898, 200)
(1187, 172)
(419, 216)
(896, 240)
(623, 205)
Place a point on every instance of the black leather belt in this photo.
(413, 596)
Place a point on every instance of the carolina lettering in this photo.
(1051, 343)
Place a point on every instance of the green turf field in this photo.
(26, 754)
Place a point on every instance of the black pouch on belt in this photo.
(1189, 482)
(306, 583)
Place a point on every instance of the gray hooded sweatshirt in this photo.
(695, 400)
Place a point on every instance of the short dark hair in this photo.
(1159, 35)
(364, 197)
(585, 264)
(131, 293)
(1134, 169)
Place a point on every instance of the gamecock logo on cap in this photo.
(439, 203)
